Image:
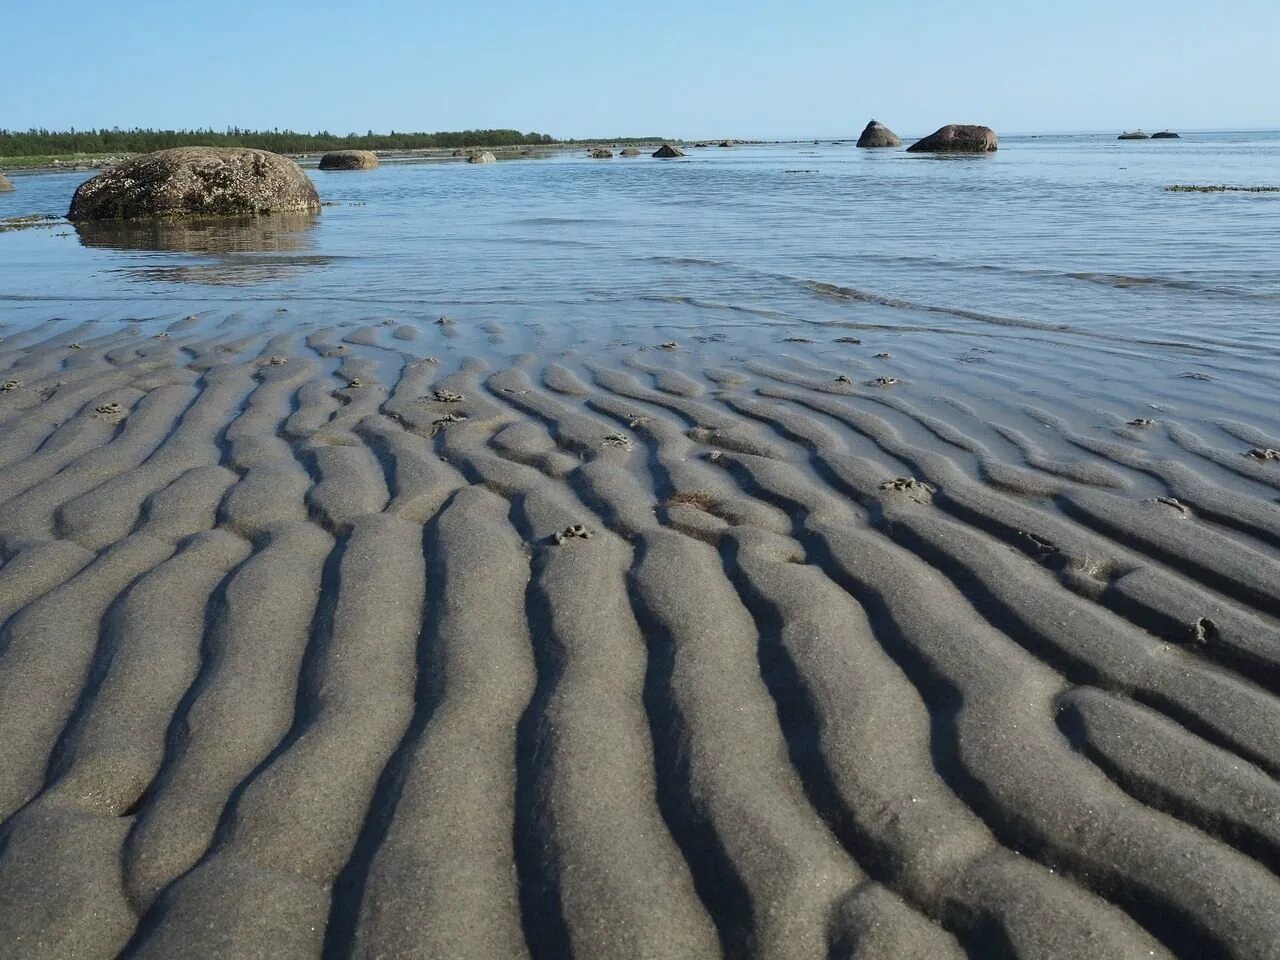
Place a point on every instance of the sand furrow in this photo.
(237, 709)
(1083, 560)
(61, 889)
(32, 514)
(860, 730)
(46, 653)
(763, 862)
(1048, 803)
(598, 856)
(441, 877)
(291, 829)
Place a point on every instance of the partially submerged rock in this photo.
(728, 143)
(668, 152)
(195, 181)
(1165, 135)
(484, 156)
(957, 138)
(1134, 135)
(630, 152)
(349, 160)
(6, 185)
(876, 134)
(601, 153)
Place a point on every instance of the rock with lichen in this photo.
(195, 181)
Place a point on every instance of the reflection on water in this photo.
(237, 251)
(274, 233)
(232, 270)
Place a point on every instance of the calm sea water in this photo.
(1063, 236)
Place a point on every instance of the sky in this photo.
(678, 68)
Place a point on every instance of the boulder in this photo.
(727, 143)
(195, 181)
(667, 152)
(957, 138)
(601, 153)
(349, 160)
(459, 153)
(483, 156)
(6, 185)
(1165, 135)
(1134, 135)
(630, 152)
(876, 134)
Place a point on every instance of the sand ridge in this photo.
(294, 664)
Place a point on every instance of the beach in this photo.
(785, 616)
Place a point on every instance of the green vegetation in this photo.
(1193, 188)
(52, 144)
(49, 159)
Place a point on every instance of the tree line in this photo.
(32, 143)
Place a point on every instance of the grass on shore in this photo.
(48, 160)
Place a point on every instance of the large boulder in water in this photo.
(1134, 135)
(957, 138)
(876, 134)
(195, 181)
(1165, 135)
(668, 152)
(483, 157)
(349, 160)
(5, 184)
(630, 152)
(601, 153)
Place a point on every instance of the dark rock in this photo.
(1165, 135)
(667, 152)
(458, 153)
(877, 134)
(957, 138)
(728, 143)
(196, 181)
(349, 160)
(6, 185)
(483, 156)
(1135, 135)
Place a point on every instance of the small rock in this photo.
(571, 532)
(884, 381)
(843, 379)
(1263, 453)
(10, 385)
(669, 345)
(441, 422)
(1142, 422)
(277, 361)
(847, 340)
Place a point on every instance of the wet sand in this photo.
(382, 640)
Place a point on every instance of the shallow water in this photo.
(1066, 240)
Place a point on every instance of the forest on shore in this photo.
(30, 143)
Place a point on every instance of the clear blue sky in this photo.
(785, 68)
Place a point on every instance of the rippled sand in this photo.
(930, 654)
